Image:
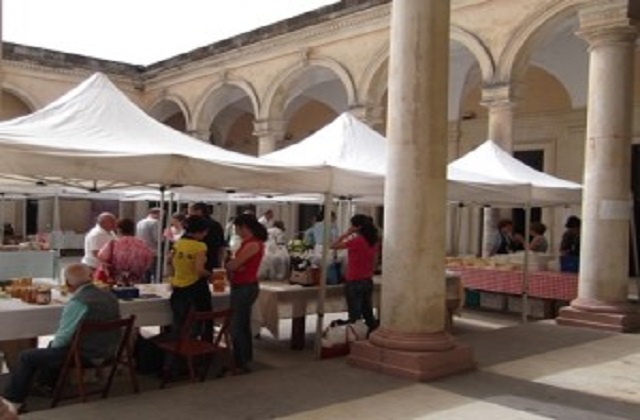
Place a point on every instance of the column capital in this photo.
(203, 135)
(269, 133)
(372, 115)
(499, 95)
(265, 127)
(607, 23)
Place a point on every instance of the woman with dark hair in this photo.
(243, 276)
(570, 246)
(538, 241)
(190, 281)
(126, 258)
(361, 241)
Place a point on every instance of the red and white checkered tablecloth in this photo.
(542, 284)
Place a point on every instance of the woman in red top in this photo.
(243, 276)
(361, 243)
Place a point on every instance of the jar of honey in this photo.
(219, 280)
(43, 296)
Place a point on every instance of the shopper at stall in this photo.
(267, 219)
(314, 236)
(506, 242)
(538, 242)
(243, 276)
(127, 258)
(570, 244)
(361, 241)
(147, 231)
(176, 227)
(216, 245)
(98, 237)
(88, 303)
(190, 282)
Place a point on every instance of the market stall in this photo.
(513, 184)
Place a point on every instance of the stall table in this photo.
(550, 286)
(278, 300)
(19, 320)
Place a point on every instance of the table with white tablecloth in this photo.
(22, 320)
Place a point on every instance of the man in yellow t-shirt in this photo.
(191, 279)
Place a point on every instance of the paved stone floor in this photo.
(533, 371)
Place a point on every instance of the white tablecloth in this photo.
(278, 301)
(22, 320)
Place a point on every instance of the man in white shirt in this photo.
(147, 230)
(98, 237)
(267, 219)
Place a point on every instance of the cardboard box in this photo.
(494, 301)
(536, 307)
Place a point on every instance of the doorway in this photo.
(635, 188)
(534, 159)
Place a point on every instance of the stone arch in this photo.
(278, 92)
(226, 114)
(218, 96)
(373, 83)
(477, 49)
(515, 55)
(167, 107)
(29, 101)
(467, 50)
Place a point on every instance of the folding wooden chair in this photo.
(122, 356)
(189, 346)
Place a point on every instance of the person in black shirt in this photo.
(216, 244)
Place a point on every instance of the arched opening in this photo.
(312, 98)
(308, 98)
(13, 106)
(169, 112)
(228, 116)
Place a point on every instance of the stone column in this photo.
(606, 209)
(498, 100)
(269, 134)
(411, 340)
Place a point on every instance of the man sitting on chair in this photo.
(88, 303)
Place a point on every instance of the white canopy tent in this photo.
(94, 137)
(350, 153)
(504, 180)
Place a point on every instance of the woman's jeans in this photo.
(359, 295)
(183, 299)
(242, 299)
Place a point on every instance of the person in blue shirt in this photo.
(315, 234)
(87, 303)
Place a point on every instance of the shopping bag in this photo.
(337, 338)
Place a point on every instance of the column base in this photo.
(609, 321)
(416, 364)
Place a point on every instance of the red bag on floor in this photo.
(337, 338)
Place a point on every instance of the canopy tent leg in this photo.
(25, 206)
(167, 223)
(2, 216)
(525, 268)
(322, 292)
(158, 277)
(634, 249)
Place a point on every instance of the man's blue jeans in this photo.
(46, 361)
(242, 299)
